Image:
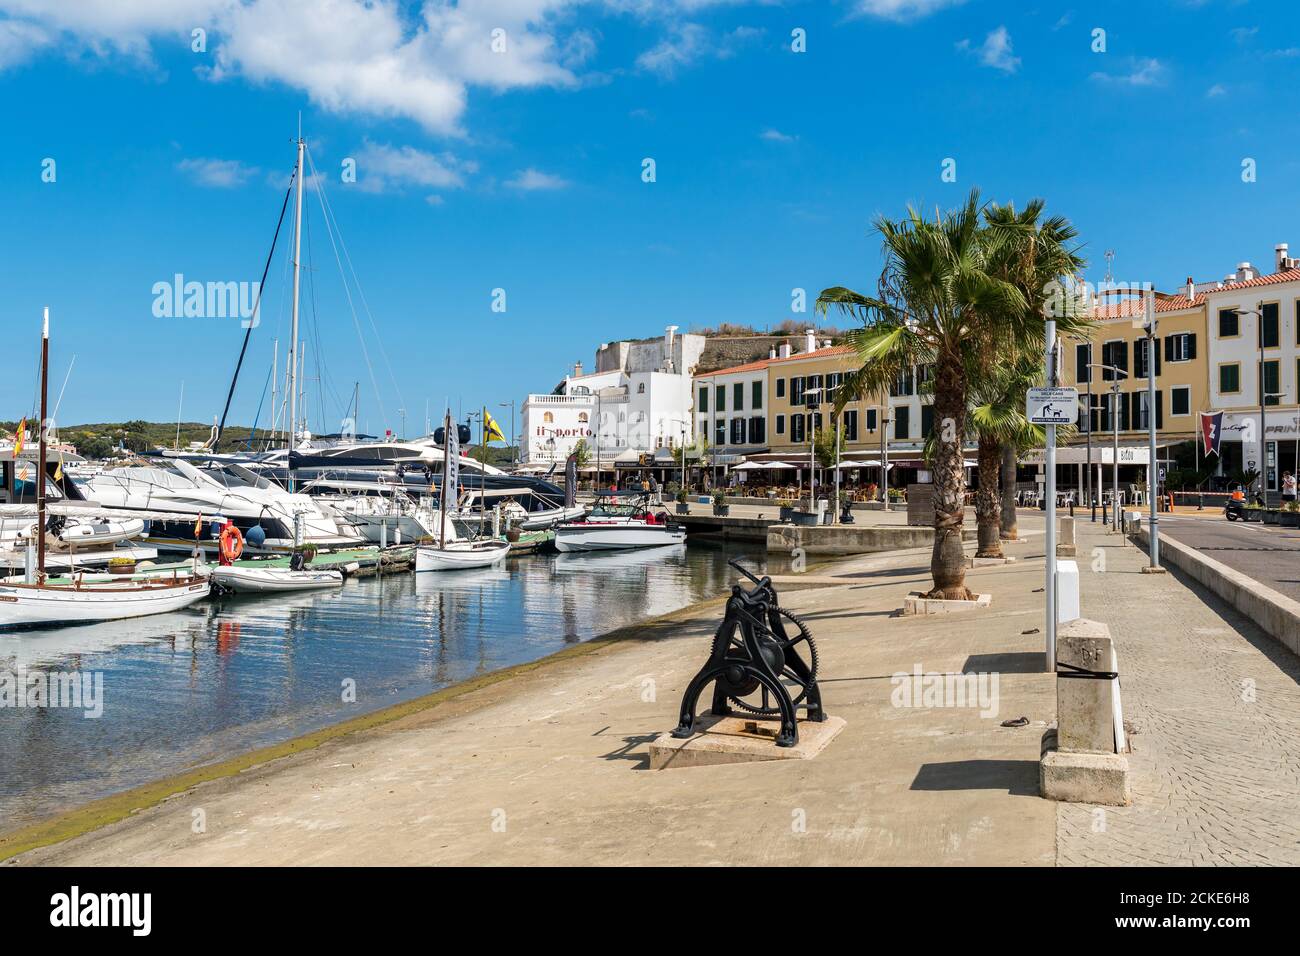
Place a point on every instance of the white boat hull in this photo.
(542, 520)
(461, 555)
(615, 537)
(27, 604)
(274, 580)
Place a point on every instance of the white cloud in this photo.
(218, 173)
(1218, 89)
(374, 57)
(530, 180)
(690, 43)
(995, 51)
(902, 10)
(1143, 71)
(776, 136)
(382, 168)
(19, 41)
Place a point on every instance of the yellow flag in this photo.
(58, 469)
(18, 438)
(198, 525)
(491, 430)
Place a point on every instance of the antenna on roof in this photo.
(1110, 261)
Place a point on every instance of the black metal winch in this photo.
(756, 666)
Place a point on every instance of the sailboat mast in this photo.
(293, 326)
(40, 470)
(446, 466)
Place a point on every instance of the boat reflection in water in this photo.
(232, 674)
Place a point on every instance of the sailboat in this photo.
(42, 603)
(456, 555)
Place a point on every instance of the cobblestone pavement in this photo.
(1214, 705)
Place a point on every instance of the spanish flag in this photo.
(18, 437)
(491, 430)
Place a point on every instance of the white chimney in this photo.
(1191, 289)
(826, 343)
(771, 353)
(1283, 262)
(577, 370)
(1245, 271)
(784, 351)
(810, 340)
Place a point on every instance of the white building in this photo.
(637, 403)
(1238, 339)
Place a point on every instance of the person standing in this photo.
(1288, 486)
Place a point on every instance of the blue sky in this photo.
(522, 171)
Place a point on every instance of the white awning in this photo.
(763, 466)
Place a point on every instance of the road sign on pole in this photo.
(1052, 406)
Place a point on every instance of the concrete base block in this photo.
(1156, 570)
(917, 603)
(1074, 777)
(974, 562)
(1066, 551)
(723, 740)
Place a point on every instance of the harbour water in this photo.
(230, 675)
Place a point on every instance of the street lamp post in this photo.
(1258, 312)
(1114, 421)
(1153, 469)
(813, 406)
(884, 456)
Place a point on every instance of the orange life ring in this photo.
(231, 542)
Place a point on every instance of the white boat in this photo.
(542, 520)
(459, 555)
(229, 492)
(85, 533)
(613, 526)
(26, 604)
(40, 602)
(615, 536)
(250, 580)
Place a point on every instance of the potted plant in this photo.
(787, 510)
(121, 566)
(682, 498)
(512, 532)
(1252, 513)
(720, 507)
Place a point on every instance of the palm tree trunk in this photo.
(987, 504)
(1009, 530)
(948, 560)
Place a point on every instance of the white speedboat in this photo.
(459, 555)
(28, 604)
(217, 494)
(615, 536)
(542, 520)
(250, 580)
(614, 526)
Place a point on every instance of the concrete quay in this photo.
(549, 764)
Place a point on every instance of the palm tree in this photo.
(1037, 256)
(998, 417)
(935, 305)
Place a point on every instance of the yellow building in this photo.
(1119, 342)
